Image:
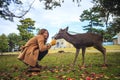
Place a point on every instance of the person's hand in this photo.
(53, 42)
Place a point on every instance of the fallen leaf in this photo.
(88, 78)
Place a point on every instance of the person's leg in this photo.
(38, 67)
(42, 54)
(40, 57)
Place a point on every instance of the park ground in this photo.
(58, 66)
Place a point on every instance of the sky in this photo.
(60, 17)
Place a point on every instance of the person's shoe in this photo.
(33, 69)
(39, 66)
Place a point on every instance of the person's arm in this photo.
(42, 46)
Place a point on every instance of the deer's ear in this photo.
(60, 29)
(67, 28)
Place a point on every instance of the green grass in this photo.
(59, 66)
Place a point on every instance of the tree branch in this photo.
(11, 15)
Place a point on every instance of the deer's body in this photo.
(81, 41)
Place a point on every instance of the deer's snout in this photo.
(55, 36)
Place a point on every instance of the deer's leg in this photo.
(103, 50)
(83, 55)
(76, 55)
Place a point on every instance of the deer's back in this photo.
(87, 39)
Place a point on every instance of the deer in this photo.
(82, 41)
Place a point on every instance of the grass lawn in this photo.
(59, 66)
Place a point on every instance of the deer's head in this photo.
(61, 33)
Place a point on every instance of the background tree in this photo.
(3, 43)
(13, 40)
(114, 27)
(26, 29)
(112, 6)
(92, 16)
(108, 8)
(96, 18)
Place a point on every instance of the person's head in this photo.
(44, 32)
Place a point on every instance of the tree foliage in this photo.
(26, 29)
(93, 18)
(51, 4)
(5, 11)
(104, 8)
(108, 7)
(112, 6)
(13, 40)
(3, 43)
(114, 27)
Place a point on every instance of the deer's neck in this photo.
(68, 37)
